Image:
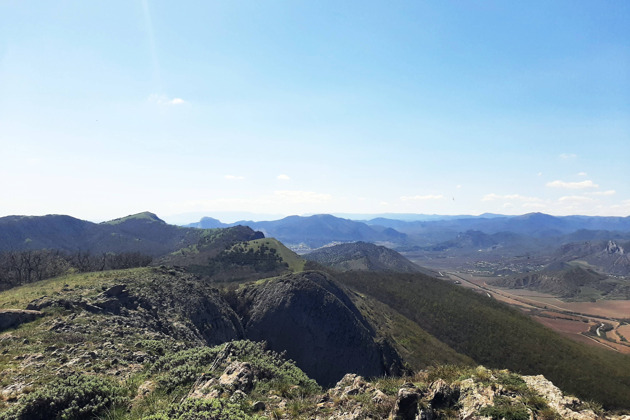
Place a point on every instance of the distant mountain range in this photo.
(583, 237)
(142, 232)
(314, 231)
(330, 228)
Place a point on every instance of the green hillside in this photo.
(295, 262)
(362, 256)
(144, 216)
(496, 335)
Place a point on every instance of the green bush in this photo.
(74, 397)
(511, 382)
(504, 409)
(197, 409)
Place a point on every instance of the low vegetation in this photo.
(495, 335)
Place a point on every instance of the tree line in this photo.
(21, 267)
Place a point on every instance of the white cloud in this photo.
(293, 196)
(623, 208)
(283, 177)
(459, 187)
(568, 156)
(607, 193)
(491, 197)
(582, 174)
(421, 197)
(518, 197)
(575, 199)
(534, 205)
(164, 100)
(572, 185)
(233, 177)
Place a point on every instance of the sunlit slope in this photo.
(495, 335)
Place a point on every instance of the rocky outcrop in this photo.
(614, 248)
(312, 319)
(568, 407)
(238, 376)
(406, 407)
(11, 318)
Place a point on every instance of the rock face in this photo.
(407, 404)
(200, 308)
(565, 406)
(317, 325)
(10, 318)
(613, 248)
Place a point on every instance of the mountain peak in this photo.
(144, 216)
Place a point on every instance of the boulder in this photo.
(406, 407)
(11, 318)
(442, 395)
(238, 376)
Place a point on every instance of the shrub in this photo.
(449, 373)
(511, 382)
(74, 397)
(198, 409)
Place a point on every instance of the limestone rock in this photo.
(238, 376)
(473, 397)
(566, 406)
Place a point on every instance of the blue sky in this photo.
(295, 107)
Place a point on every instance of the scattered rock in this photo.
(379, 397)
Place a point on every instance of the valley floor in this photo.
(603, 323)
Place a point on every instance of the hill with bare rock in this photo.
(607, 256)
(560, 279)
(313, 320)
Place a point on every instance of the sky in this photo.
(109, 108)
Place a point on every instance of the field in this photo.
(603, 323)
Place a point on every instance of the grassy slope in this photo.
(296, 264)
(146, 216)
(417, 347)
(495, 335)
(83, 284)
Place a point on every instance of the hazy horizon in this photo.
(280, 108)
